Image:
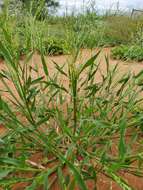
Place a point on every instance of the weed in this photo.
(125, 52)
(73, 127)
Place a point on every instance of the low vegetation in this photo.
(127, 52)
(57, 32)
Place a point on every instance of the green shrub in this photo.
(135, 53)
(125, 52)
(119, 52)
(54, 46)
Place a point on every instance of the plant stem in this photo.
(75, 114)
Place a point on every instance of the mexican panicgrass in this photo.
(78, 138)
(82, 130)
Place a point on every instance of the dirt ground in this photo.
(123, 67)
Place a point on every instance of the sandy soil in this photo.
(123, 67)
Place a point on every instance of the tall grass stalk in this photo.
(79, 131)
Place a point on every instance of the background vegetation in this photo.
(96, 30)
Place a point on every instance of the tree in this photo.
(47, 3)
(42, 6)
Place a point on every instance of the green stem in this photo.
(75, 114)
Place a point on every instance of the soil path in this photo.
(123, 67)
(85, 54)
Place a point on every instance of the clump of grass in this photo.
(126, 52)
(120, 28)
(55, 46)
(74, 127)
